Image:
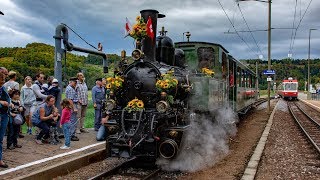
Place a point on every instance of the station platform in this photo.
(314, 103)
(32, 156)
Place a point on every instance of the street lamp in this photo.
(308, 94)
(187, 34)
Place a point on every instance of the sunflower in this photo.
(108, 86)
(140, 104)
(130, 104)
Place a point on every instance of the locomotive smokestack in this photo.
(149, 45)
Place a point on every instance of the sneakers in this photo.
(84, 130)
(78, 131)
(39, 141)
(64, 147)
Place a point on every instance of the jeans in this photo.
(97, 117)
(66, 131)
(13, 132)
(44, 133)
(102, 133)
(3, 126)
(73, 123)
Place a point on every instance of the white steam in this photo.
(206, 142)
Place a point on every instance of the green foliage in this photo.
(297, 69)
(39, 57)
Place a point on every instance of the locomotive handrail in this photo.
(123, 126)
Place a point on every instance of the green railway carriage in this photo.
(232, 82)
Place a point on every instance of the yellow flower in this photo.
(140, 104)
(109, 79)
(138, 18)
(130, 104)
(108, 86)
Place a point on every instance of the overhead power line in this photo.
(249, 30)
(294, 19)
(236, 29)
(295, 34)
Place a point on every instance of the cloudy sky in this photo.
(27, 21)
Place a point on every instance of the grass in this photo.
(265, 93)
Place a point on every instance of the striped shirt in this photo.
(82, 92)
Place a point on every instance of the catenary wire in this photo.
(236, 29)
(249, 29)
(299, 25)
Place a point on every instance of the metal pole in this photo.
(269, 51)
(309, 83)
(308, 94)
(257, 81)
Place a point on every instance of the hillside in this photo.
(298, 69)
(36, 57)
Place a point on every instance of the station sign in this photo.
(269, 72)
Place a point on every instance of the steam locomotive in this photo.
(156, 127)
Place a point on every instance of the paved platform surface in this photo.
(34, 154)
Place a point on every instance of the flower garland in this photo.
(167, 82)
(139, 30)
(207, 72)
(135, 105)
(114, 83)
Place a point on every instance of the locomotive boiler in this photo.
(155, 127)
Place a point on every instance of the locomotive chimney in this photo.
(149, 45)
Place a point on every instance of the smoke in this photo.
(206, 141)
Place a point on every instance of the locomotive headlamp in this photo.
(173, 133)
(110, 104)
(162, 106)
(137, 54)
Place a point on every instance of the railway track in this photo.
(126, 170)
(260, 101)
(309, 126)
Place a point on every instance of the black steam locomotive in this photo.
(156, 128)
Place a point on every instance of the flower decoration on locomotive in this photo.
(207, 72)
(114, 83)
(135, 105)
(166, 84)
(139, 30)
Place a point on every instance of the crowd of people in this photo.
(36, 104)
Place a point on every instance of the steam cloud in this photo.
(206, 142)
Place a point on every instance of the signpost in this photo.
(269, 72)
(269, 79)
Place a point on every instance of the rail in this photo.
(306, 123)
(127, 169)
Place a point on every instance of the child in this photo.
(53, 134)
(14, 129)
(67, 107)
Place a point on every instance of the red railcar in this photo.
(288, 89)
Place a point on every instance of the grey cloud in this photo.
(104, 20)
